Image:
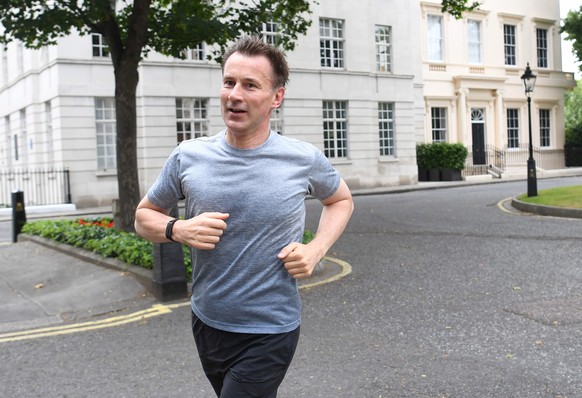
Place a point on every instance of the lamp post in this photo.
(529, 81)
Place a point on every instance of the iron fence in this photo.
(497, 160)
(41, 186)
(520, 155)
(493, 159)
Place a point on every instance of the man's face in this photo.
(247, 96)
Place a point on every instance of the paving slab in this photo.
(41, 286)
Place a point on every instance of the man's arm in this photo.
(299, 259)
(202, 232)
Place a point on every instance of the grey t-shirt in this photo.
(241, 286)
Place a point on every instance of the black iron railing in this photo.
(495, 161)
(41, 186)
(491, 161)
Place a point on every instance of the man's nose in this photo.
(235, 93)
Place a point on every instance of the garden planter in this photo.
(422, 174)
(434, 175)
(451, 175)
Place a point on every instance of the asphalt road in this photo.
(451, 295)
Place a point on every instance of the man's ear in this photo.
(279, 96)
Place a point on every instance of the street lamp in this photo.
(529, 81)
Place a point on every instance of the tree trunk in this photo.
(126, 79)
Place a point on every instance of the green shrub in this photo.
(423, 157)
(441, 155)
(99, 236)
(574, 136)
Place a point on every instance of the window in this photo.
(335, 129)
(545, 128)
(386, 128)
(277, 120)
(331, 43)
(100, 48)
(513, 128)
(435, 38)
(438, 120)
(196, 53)
(474, 37)
(105, 124)
(383, 48)
(191, 118)
(270, 33)
(542, 47)
(509, 45)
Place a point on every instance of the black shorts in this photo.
(241, 365)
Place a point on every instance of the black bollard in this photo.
(18, 214)
(169, 271)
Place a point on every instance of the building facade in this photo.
(369, 80)
(355, 92)
(473, 90)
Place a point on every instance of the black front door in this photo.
(478, 143)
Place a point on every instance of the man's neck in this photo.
(246, 141)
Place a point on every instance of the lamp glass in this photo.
(529, 80)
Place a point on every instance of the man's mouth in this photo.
(236, 110)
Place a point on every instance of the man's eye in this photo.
(228, 83)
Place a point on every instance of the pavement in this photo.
(43, 284)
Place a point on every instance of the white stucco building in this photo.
(473, 90)
(369, 80)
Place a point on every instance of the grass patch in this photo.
(569, 197)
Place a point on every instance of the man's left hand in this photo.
(299, 259)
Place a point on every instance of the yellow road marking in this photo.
(155, 310)
(346, 270)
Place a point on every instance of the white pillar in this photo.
(462, 116)
(500, 138)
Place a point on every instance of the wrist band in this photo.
(169, 228)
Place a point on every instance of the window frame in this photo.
(196, 53)
(99, 49)
(331, 43)
(472, 44)
(542, 53)
(191, 118)
(545, 123)
(510, 48)
(335, 129)
(439, 131)
(513, 124)
(435, 40)
(106, 128)
(386, 130)
(383, 47)
(271, 33)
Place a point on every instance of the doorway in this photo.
(478, 132)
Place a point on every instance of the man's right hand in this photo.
(201, 232)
